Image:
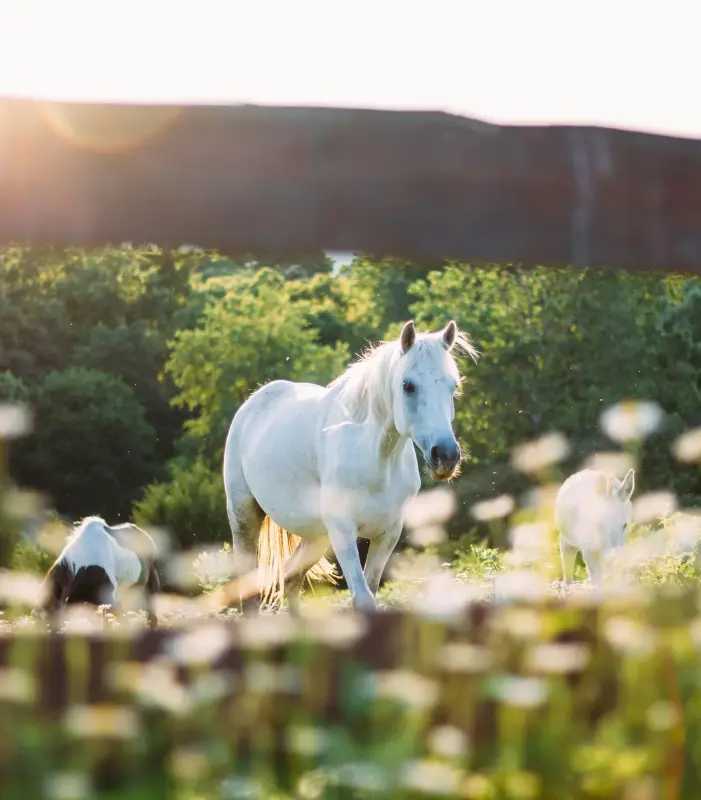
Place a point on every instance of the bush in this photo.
(28, 558)
(191, 506)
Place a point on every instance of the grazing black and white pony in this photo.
(96, 561)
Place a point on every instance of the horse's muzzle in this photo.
(444, 460)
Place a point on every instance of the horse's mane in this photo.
(365, 388)
(82, 525)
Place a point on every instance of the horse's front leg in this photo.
(343, 534)
(379, 552)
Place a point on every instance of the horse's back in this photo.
(130, 537)
(275, 410)
(582, 507)
(110, 549)
(271, 453)
(280, 392)
(93, 547)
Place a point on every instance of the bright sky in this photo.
(614, 62)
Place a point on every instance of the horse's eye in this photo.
(409, 387)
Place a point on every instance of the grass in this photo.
(471, 563)
(391, 733)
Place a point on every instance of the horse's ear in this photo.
(450, 332)
(625, 490)
(408, 336)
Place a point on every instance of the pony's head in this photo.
(90, 585)
(620, 505)
(426, 381)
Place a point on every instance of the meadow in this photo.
(482, 675)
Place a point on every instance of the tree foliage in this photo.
(135, 362)
(250, 333)
(92, 449)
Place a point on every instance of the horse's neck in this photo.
(392, 443)
(389, 441)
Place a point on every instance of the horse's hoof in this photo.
(365, 604)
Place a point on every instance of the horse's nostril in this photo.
(435, 454)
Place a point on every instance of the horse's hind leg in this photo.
(568, 556)
(153, 586)
(245, 520)
(594, 563)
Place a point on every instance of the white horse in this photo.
(96, 560)
(593, 512)
(306, 466)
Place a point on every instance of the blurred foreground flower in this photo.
(22, 504)
(495, 508)
(687, 447)
(103, 721)
(448, 741)
(430, 507)
(405, 687)
(610, 461)
(17, 685)
(68, 786)
(532, 538)
(520, 585)
(558, 657)
(654, 506)
(443, 597)
(631, 420)
(629, 635)
(431, 778)
(201, 645)
(20, 588)
(532, 457)
(15, 420)
(517, 690)
(215, 565)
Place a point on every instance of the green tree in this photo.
(136, 353)
(381, 287)
(12, 388)
(92, 449)
(248, 336)
(191, 505)
(559, 346)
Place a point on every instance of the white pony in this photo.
(96, 560)
(593, 512)
(306, 466)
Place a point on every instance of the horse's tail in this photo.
(275, 546)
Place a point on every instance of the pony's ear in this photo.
(449, 333)
(408, 336)
(625, 490)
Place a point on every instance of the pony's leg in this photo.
(304, 557)
(568, 556)
(56, 583)
(153, 586)
(344, 540)
(594, 566)
(379, 554)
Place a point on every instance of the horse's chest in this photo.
(379, 506)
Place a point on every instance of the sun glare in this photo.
(621, 64)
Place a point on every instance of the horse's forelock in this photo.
(367, 384)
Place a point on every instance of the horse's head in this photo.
(426, 383)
